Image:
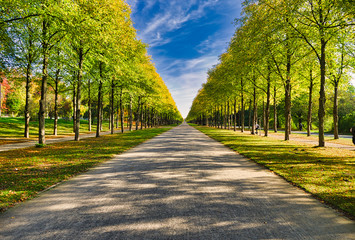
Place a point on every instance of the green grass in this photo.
(13, 127)
(328, 139)
(327, 173)
(25, 172)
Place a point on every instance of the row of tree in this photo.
(283, 52)
(82, 51)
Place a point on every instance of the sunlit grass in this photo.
(25, 172)
(327, 173)
(13, 127)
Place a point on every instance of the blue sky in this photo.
(185, 38)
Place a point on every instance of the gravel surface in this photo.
(179, 185)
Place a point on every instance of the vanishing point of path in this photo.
(179, 185)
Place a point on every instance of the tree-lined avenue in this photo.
(168, 188)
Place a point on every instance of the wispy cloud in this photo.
(173, 15)
(166, 25)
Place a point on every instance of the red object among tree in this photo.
(4, 91)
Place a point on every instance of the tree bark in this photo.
(89, 106)
(122, 111)
(145, 117)
(288, 98)
(250, 109)
(27, 105)
(309, 113)
(99, 97)
(42, 102)
(275, 110)
(141, 115)
(235, 114)
(321, 111)
(56, 93)
(267, 109)
(242, 104)
(112, 113)
(130, 113)
(0, 97)
(78, 95)
(335, 110)
(74, 106)
(228, 114)
(255, 112)
(138, 114)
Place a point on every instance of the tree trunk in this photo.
(255, 112)
(335, 110)
(102, 114)
(121, 111)
(275, 110)
(56, 92)
(78, 95)
(228, 115)
(27, 106)
(242, 105)
(0, 97)
(225, 116)
(42, 102)
(145, 117)
(89, 106)
(130, 113)
(250, 109)
(99, 97)
(321, 111)
(267, 109)
(288, 98)
(309, 114)
(141, 115)
(138, 114)
(117, 114)
(112, 113)
(74, 107)
(98, 114)
(235, 114)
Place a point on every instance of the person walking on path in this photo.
(301, 126)
(257, 128)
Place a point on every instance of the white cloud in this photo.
(172, 16)
(184, 77)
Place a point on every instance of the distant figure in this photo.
(352, 130)
(301, 126)
(257, 128)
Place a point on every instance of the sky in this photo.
(185, 39)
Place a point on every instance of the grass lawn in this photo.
(327, 173)
(328, 139)
(13, 127)
(25, 172)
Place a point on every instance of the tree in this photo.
(318, 22)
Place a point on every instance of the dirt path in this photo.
(179, 185)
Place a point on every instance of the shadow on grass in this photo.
(30, 170)
(326, 173)
(170, 189)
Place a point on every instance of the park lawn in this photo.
(13, 127)
(328, 139)
(25, 172)
(327, 173)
